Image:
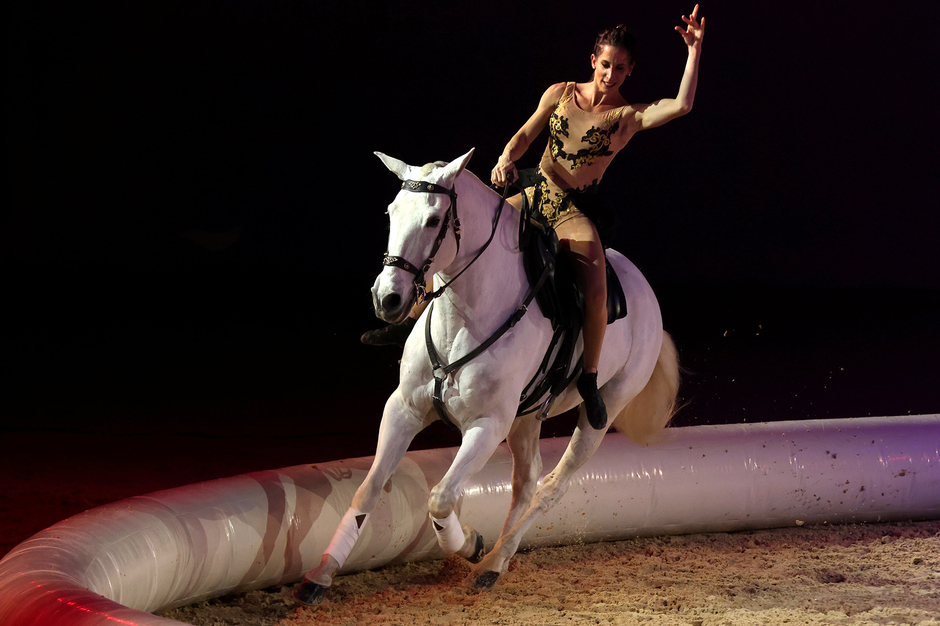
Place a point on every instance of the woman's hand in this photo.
(694, 31)
(504, 172)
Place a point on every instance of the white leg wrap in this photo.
(346, 535)
(448, 531)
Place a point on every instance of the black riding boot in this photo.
(391, 335)
(593, 402)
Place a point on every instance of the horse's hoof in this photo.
(477, 555)
(309, 593)
(486, 580)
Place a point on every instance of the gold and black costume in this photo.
(580, 147)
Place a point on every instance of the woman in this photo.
(589, 123)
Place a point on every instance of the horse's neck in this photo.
(494, 285)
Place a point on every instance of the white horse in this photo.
(638, 375)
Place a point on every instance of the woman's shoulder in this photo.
(557, 90)
(554, 94)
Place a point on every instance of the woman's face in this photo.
(611, 67)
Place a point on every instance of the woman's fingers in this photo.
(510, 173)
(500, 175)
(692, 19)
(695, 28)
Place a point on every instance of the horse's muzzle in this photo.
(389, 303)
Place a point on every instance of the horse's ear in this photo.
(396, 167)
(453, 169)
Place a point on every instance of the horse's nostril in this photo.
(391, 302)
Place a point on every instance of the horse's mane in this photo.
(427, 168)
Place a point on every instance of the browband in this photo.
(426, 187)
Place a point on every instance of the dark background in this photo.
(195, 217)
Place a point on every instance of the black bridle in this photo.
(420, 273)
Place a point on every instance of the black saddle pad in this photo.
(560, 299)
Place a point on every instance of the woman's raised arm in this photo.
(662, 111)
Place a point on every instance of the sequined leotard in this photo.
(580, 147)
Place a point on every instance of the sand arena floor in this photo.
(874, 574)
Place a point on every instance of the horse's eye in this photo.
(433, 221)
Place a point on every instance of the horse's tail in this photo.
(650, 411)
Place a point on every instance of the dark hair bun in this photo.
(619, 37)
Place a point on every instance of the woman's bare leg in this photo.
(579, 239)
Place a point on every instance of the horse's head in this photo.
(421, 216)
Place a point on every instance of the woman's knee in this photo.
(592, 273)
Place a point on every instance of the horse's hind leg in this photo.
(523, 443)
(582, 446)
(397, 430)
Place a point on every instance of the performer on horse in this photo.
(589, 123)
(478, 348)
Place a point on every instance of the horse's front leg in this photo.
(583, 445)
(479, 443)
(398, 428)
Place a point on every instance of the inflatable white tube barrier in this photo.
(117, 563)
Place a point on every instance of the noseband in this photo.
(420, 273)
